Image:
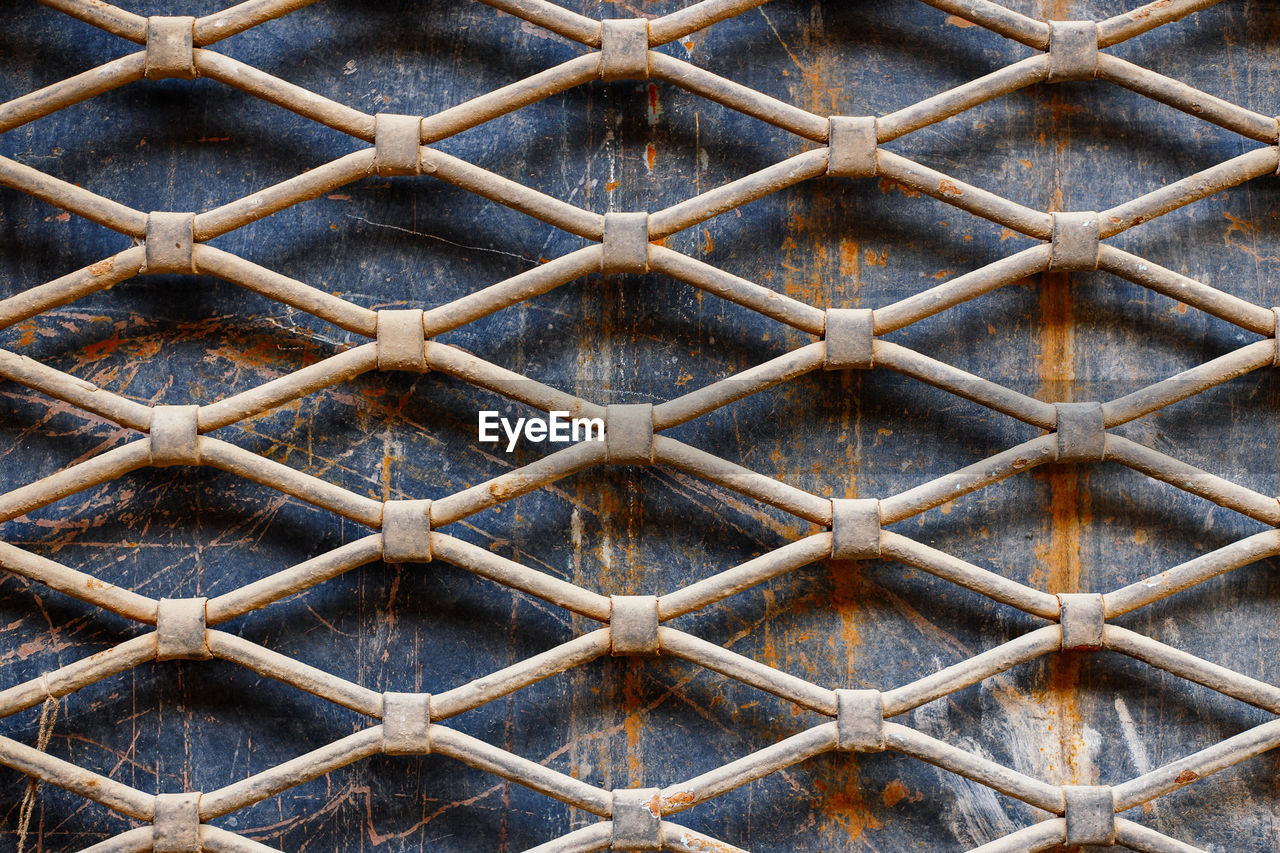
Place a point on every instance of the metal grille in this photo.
(846, 147)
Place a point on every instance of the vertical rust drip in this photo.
(822, 266)
(1059, 552)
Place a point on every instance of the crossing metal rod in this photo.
(817, 159)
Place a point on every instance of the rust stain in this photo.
(102, 267)
(846, 577)
(821, 265)
(956, 21)
(887, 186)
(843, 801)
(707, 845)
(1186, 776)
(27, 328)
(1058, 553)
(1145, 11)
(824, 265)
(677, 801)
(896, 791)
(948, 188)
(848, 256)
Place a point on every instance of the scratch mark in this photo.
(530, 261)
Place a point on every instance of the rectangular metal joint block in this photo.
(180, 629)
(855, 529)
(624, 49)
(170, 48)
(1082, 434)
(1074, 245)
(176, 825)
(850, 338)
(852, 143)
(406, 723)
(1091, 814)
(1073, 51)
(168, 242)
(633, 625)
(1275, 358)
(402, 344)
(397, 141)
(859, 721)
(406, 531)
(626, 243)
(628, 433)
(174, 435)
(1083, 619)
(637, 819)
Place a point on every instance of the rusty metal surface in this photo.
(879, 629)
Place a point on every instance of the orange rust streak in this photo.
(1059, 553)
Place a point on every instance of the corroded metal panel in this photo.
(183, 229)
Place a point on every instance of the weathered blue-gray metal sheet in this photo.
(415, 242)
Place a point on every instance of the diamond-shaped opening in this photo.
(839, 58)
(620, 531)
(1095, 124)
(1222, 429)
(882, 801)
(651, 140)
(1189, 813)
(858, 625)
(1138, 527)
(120, 726)
(382, 59)
(240, 145)
(844, 243)
(1096, 709)
(1089, 336)
(1076, 732)
(60, 244)
(47, 630)
(665, 720)
(917, 431)
(1236, 258)
(656, 338)
(107, 337)
(32, 56)
(1215, 37)
(136, 532)
(405, 241)
(417, 647)
(405, 804)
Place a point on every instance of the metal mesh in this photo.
(632, 242)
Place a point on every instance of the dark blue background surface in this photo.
(416, 242)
